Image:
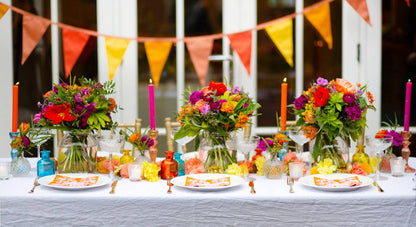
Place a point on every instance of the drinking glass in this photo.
(111, 143)
(298, 136)
(245, 146)
(378, 145)
(41, 135)
(182, 141)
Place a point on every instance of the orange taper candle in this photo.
(15, 106)
(283, 107)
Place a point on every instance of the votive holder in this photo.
(296, 170)
(135, 171)
(397, 166)
(4, 170)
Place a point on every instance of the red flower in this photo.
(58, 113)
(217, 86)
(321, 96)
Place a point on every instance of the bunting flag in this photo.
(73, 44)
(320, 18)
(241, 43)
(199, 50)
(115, 51)
(33, 29)
(360, 6)
(281, 34)
(3, 10)
(157, 53)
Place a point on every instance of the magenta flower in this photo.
(349, 98)
(263, 146)
(37, 117)
(300, 102)
(196, 96)
(321, 81)
(397, 138)
(205, 109)
(354, 112)
(26, 141)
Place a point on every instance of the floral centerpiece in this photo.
(333, 109)
(215, 110)
(397, 141)
(77, 110)
(273, 168)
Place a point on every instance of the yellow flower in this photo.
(259, 164)
(227, 107)
(234, 169)
(373, 164)
(151, 171)
(326, 167)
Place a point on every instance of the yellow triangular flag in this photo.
(157, 54)
(320, 18)
(3, 10)
(282, 35)
(115, 51)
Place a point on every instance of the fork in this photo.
(36, 183)
(378, 186)
(114, 184)
(170, 184)
(290, 182)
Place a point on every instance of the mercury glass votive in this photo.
(4, 170)
(397, 166)
(135, 171)
(296, 170)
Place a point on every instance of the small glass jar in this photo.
(169, 166)
(181, 164)
(126, 158)
(45, 166)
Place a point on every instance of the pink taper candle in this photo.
(152, 105)
(407, 105)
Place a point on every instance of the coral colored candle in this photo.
(407, 105)
(15, 106)
(283, 107)
(152, 105)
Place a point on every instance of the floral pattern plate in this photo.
(102, 180)
(234, 181)
(309, 182)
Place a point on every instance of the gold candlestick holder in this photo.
(153, 149)
(406, 151)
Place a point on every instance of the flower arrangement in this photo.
(273, 145)
(72, 107)
(329, 109)
(138, 141)
(26, 139)
(397, 141)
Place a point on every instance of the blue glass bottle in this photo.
(46, 166)
(181, 164)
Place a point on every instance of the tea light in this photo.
(4, 170)
(296, 170)
(135, 171)
(397, 166)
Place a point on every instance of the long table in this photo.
(148, 204)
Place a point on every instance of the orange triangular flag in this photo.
(282, 35)
(241, 43)
(361, 8)
(320, 18)
(73, 43)
(3, 10)
(199, 50)
(33, 29)
(115, 51)
(157, 54)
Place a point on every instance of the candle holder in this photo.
(406, 151)
(153, 149)
(13, 152)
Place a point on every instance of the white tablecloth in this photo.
(147, 204)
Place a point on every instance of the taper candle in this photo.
(283, 107)
(152, 105)
(15, 107)
(407, 105)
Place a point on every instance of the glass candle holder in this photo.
(397, 166)
(135, 171)
(4, 170)
(296, 170)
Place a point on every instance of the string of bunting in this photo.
(157, 49)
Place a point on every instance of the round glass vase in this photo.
(335, 150)
(77, 153)
(218, 156)
(20, 166)
(273, 167)
(140, 159)
(385, 160)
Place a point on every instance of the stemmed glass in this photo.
(378, 145)
(245, 146)
(111, 143)
(41, 136)
(300, 139)
(182, 141)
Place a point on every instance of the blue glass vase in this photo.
(46, 166)
(181, 164)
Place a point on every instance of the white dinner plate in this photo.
(102, 180)
(234, 181)
(309, 181)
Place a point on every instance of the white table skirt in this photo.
(147, 204)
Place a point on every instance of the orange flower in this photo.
(382, 133)
(198, 105)
(309, 117)
(242, 121)
(24, 128)
(227, 107)
(370, 97)
(205, 90)
(226, 126)
(358, 85)
(281, 138)
(134, 137)
(310, 131)
(112, 106)
(236, 98)
(344, 86)
(46, 95)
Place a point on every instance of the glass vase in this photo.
(336, 149)
(218, 157)
(77, 153)
(20, 166)
(385, 160)
(273, 168)
(140, 159)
